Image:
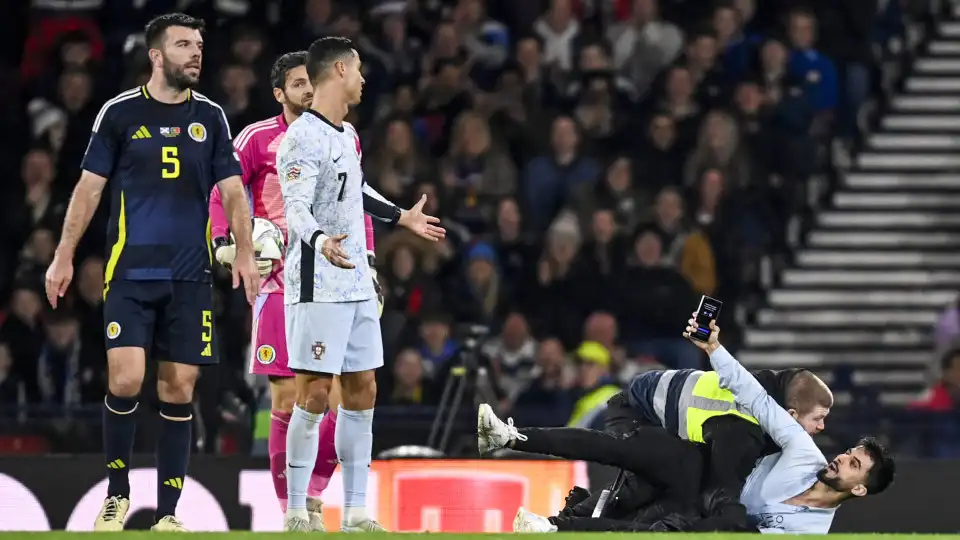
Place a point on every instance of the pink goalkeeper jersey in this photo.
(256, 148)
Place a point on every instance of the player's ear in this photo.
(278, 95)
(156, 57)
(859, 490)
(794, 414)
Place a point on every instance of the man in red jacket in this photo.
(944, 396)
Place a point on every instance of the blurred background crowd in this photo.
(599, 165)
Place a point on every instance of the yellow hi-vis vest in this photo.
(698, 397)
(590, 405)
(701, 399)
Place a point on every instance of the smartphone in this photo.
(709, 310)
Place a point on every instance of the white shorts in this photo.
(334, 338)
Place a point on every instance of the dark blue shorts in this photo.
(171, 320)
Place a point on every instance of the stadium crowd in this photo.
(599, 164)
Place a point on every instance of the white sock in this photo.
(354, 442)
(303, 437)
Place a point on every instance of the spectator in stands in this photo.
(718, 146)
(708, 75)
(560, 32)
(61, 378)
(409, 384)
(811, 66)
(36, 204)
(935, 412)
(643, 45)
(395, 163)
(556, 299)
(549, 179)
(594, 384)
(236, 83)
(22, 331)
(680, 103)
(482, 294)
(661, 156)
(511, 354)
(476, 173)
(944, 396)
(515, 250)
(618, 191)
(437, 346)
(601, 260)
(652, 296)
(546, 400)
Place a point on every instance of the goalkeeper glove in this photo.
(372, 260)
(225, 253)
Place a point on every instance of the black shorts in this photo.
(170, 320)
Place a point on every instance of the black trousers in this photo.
(671, 466)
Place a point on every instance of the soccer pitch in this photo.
(240, 535)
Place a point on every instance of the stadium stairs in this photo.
(882, 259)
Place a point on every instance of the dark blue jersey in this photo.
(161, 161)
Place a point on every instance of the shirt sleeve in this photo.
(378, 207)
(299, 168)
(226, 162)
(248, 152)
(219, 227)
(750, 394)
(104, 146)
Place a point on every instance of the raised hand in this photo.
(421, 224)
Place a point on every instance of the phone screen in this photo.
(709, 310)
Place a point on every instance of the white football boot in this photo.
(112, 514)
(493, 433)
(315, 512)
(528, 522)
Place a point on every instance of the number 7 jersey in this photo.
(318, 166)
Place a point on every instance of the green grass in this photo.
(240, 535)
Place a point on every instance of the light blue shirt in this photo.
(778, 477)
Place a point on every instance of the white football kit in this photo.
(332, 320)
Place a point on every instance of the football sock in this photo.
(119, 428)
(303, 436)
(277, 449)
(173, 454)
(354, 440)
(326, 462)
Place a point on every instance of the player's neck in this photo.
(333, 108)
(289, 116)
(819, 495)
(162, 92)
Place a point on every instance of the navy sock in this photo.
(119, 428)
(173, 454)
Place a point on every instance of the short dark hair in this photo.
(324, 52)
(949, 358)
(884, 468)
(806, 391)
(157, 27)
(281, 68)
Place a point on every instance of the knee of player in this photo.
(313, 392)
(359, 390)
(124, 383)
(176, 389)
(283, 396)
